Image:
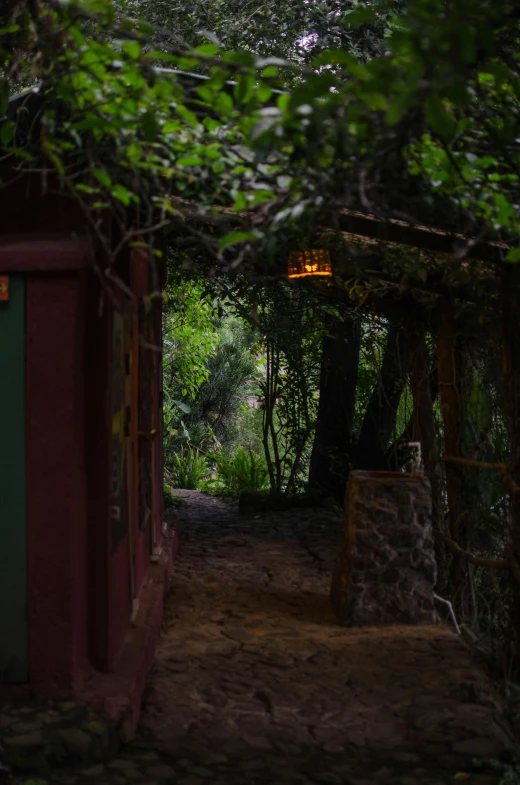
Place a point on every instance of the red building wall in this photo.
(55, 449)
(80, 586)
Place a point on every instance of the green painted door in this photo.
(13, 558)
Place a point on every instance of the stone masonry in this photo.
(385, 572)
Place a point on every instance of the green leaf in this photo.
(439, 118)
(6, 132)
(264, 93)
(86, 189)
(240, 201)
(132, 49)
(170, 127)
(223, 102)
(8, 29)
(514, 255)
(161, 56)
(282, 102)
(208, 49)
(77, 35)
(244, 87)
(361, 16)
(186, 115)
(376, 100)
(187, 63)
(50, 151)
(206, 93)
(102, 177)
(133, 152)
(190, 160)
(183, 406)
(211, 124)
(122, 194)
(241, 57)
(233, 238)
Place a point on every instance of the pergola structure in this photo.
(81, 533)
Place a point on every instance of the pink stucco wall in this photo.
(79, 586)
(56, 481)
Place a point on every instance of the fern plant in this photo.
(243, 472)
(189, 468)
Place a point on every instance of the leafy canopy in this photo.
(427, 128)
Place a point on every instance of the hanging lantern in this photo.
(303, 264)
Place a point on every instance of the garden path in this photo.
(255, 682)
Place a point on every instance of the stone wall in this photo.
(386, 571)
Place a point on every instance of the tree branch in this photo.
(501, 468)
(500, 564)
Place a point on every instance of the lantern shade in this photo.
(303, 264)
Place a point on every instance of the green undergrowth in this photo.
(189, 468)
(217, 473)
(171, 501)
(242, 472)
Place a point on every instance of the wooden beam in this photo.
(422, 237)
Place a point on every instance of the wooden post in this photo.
(451, 413)
(423, 425)
(511, 370)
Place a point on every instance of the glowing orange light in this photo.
(303, 264)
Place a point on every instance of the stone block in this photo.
(385, 571)
(26, 753)
(75, 743)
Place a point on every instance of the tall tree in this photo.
(331, 456)
(381, 413)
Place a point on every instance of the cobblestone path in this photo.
(255, 682)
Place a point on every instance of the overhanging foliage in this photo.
(426, 129)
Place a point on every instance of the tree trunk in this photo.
(331, 452)
(380, 416)
(395, 458)
(269, 432)
(423, 430)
